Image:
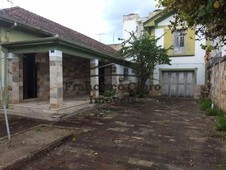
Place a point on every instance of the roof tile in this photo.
(34, 20)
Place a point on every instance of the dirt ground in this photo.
(149, 134)
(29, 143)
(17, 124)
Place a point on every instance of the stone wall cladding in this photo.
(13, 78)
(218, 83)
(108, 75)
(21, 79)
(42, 61)
(76, 71)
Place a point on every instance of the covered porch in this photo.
(51, 78)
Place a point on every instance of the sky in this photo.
(98, 19)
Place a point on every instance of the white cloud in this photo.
(90, 17)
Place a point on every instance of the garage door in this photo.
(178, 83)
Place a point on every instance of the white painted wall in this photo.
(133, 23)
(183, 62)
(166, 22)
(129, 24)
(223, 50)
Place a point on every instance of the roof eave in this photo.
(25, 26)
(55, 42)
(157, 18)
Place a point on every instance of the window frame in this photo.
(179, 42)
(126, 73)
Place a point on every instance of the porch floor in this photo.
(39, 109)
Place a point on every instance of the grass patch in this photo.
(205, 104)
(221, 123)
(219, 134)
(222, 167)
(109, 93)
(212, 112)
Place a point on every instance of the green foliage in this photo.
(208, 15)
(109, 93)
(222, 167)
(211, 112)
(221, 123)
(144, 52)
(214, 112)
(221, 120)
(220, 113)
(205, 104)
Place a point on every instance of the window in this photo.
(134, 71)
(126, 72)
(179, 42)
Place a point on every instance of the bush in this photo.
(212, 112)
(221, 123)
(220, 113)
(205, 104)
(109, 93)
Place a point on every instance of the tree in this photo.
(145, 53)
(208, 16)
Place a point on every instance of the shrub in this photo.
(221, 123)
(205, 104)
(109, 93)
(220, 113)
(212, 112)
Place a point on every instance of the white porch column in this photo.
(56, 79)
(13, 78)
(94, 77)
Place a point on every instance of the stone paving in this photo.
(150, 134)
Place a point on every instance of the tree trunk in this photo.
(141, 87)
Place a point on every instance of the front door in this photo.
(101, 80)
(29, 76)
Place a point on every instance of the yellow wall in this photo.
(189, 42)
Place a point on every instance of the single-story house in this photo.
(42, 60)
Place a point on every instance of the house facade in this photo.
(186, 74)
(46, 61)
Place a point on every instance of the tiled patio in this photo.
(39, 109)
